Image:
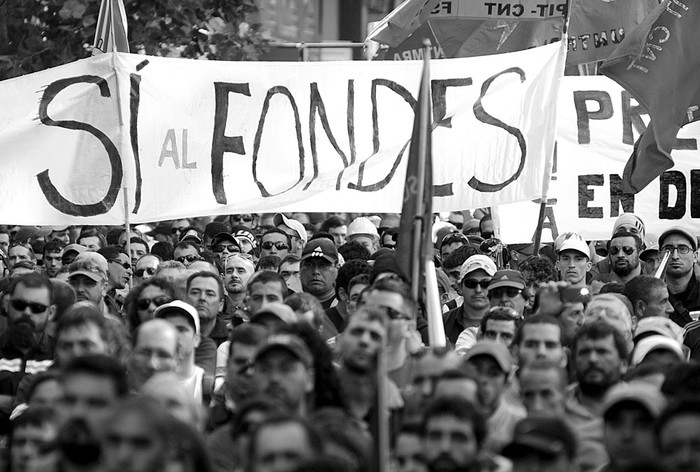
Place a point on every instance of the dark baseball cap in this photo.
(290, 343)
(548, 436)
(507, 278)
(320, 247)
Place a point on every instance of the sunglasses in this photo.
(176, 230)
(682, 249)
(219, 248)
(615, 250)
(269, 244)
(144, 303)
(242, 218)
(189, 258)
(21, 305)
(147, 270)
(472, 283)
(125, 265)
(510, 292)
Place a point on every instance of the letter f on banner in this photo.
(111, 31)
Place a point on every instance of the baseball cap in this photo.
(642, 393)
(476, 262)
(362, 226)
(550, 436)
(279, 219)
(192, 235)
(658, 325)
(215, 227)
(179, 307)
(281, 311)
(632, 222)
(25, 233)
(575, 244)
(655, 343)
(221, 237)
(89, 265)
(79, 248)
(320, 247)
(507, 278)
(683, 232)
(289, 342)
(243, 232)
(497, 351)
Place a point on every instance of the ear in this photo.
(52, 312)
(639, 308)
(634, 323)
(104, 289)
(197, 339)
(342, 295)
(564, 358)
(221, 304)
(589, 265)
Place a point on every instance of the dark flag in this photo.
(659, 64)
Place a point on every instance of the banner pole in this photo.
(127, 226)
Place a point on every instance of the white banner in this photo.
(598, 125)
(196, 137)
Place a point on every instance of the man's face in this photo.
(427, 370)
(78, 341)
(280, 448)
(29, 445)
(573, 267)
(176, 230)
(658, 304)
(238, 378)
(204, 295)
(449, 444)
(4, 242)
(274, 244)
(628, 435)
(651, 263)
(448, 249)
(279, 374)
(540, 341)
(474, 289)
(395, 305)
(407, 454)
(16, 254)
(572, 319)
(353, 296)
(131, 445)
(145, 268)
(63, 236)
(87, 289)
(138, 250)
(52, 262)
(289, 269)
(361, 341)
(150, 298)
(679, 442)
(511, 297)
(155, 351)
(542, 392)
(453, 275)
(678, 264)
(492, 380)
(186, 255)
(369, 242)
(119, 271)
(187, 339)
(500, 331)
(598, 364)
(225, 248)
(33, 304)
(237, 274)
(623, 256)
(92, 243)
(318, 275)
(339, 233)
(88, 397)
(260, 295)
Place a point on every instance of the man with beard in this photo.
(237, 272)
(87, 274)
(319, 269)
(623, 254)
(600, 356)
(453, 432)
(683, 284)
(25, 346)
(283, 370)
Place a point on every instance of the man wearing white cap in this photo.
(294, 229)
(185, 319)
(364, 232)
(574, 261)
(475, 276)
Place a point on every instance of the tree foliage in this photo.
(37, 34)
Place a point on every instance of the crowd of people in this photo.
(291, 343)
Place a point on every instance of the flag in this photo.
(414, 249)
(111, 31)
(658, 63)
(402, 21)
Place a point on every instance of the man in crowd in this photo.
(275, 242)
(574, 261)
(649, 297)
(280, 444)
(224, 245)
(336, 227)
(119, 274)
(264, 288)
(53, 251)
(87, 274)
(20, 252)
(145, 268)
(539, 337)
(155, 344)
(294, 229)
(678, 435)
(683, 285)
(362, 230)
(237, 273)
(475, 276)
(319, 269)
(623, 253)
(542, 444)
(80, 331)
(507, 289)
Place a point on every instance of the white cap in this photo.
(178, 307)
(578, 245)
(476, 262)
(279, 219)
(362, 226)
(653, 343)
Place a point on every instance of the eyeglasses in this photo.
(147, 270)
(219, 248)
(246, 218)
(144, 303)
(267, 245)
(510, 292)
(125, 265)
(472, 283)
(395, 314)
(682, 249)
(628, 250)
(21, 305)
(189, 258)
(176, 230)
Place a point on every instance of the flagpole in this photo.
(127, 226)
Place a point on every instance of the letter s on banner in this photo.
(51, 193)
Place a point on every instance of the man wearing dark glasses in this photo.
(507, 289)
(275, 242)
(475, 276)
(623, 253)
